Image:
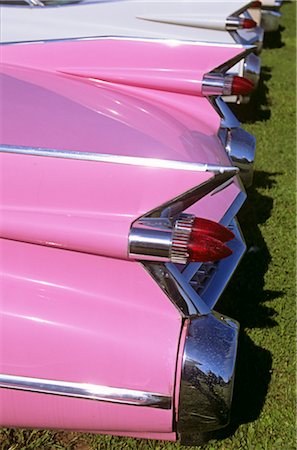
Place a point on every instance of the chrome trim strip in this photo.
(242, 36)
(138, 38)
(234, 208)
(179, 204)
(86, 391)
(231, 62)
(207, 374)
(117, 159)
(229, 120)
(166, 276)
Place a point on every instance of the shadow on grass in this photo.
(258, 108)
(274, 39)
(246, 301)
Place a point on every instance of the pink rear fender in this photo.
(176, 66)
(89, 320)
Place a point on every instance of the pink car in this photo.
(118, 236)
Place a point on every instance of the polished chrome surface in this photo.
(228, 119)
(232, 23)
(213, 84)
(231, 62)
(250, 37)
(86, 391)
(207, 374)
(270, 20)
(139, 38)
(150, 244)
(217, 84)
(163, 240)
(116, 159)
(174, 207)
(241, 147)
(180, 238)
(178, 281)
(234, 208)
(252, 68)
(167, 276)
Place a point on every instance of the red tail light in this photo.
(206, 242)
(241, 86)
(255, 5)
(196, 239)
(220, 84)
(205, 248)
(248, 23)
(213, 229)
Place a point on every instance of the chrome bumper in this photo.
(207, 374)
(241, 147)
(270, 20)
(252, 68)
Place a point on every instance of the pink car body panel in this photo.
(39, 209)
(61, 325)
(176, 66)
(73, 308)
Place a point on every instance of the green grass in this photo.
(262, 293)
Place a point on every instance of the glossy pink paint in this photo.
(175, 66)
(89, 315)
(84, 318)
(89, 206)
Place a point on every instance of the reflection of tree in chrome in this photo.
(209, 390)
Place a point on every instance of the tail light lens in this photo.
(255, 5)
(241, 86)
(212, 229)
(204, 248)
(197, 239)
(248, 23)
(220, 84)
(190, 239)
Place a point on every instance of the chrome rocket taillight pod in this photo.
(189, 238)
(241, 146)
(234, 23)
(224, 84)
